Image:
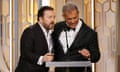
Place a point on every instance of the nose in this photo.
(53, 18)
(72, 21)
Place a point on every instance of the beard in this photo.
(49, 26)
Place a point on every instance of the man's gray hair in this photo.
(69, 7)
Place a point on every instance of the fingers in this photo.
(84, 52)
(48, 57)
(49, 54)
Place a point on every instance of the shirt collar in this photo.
(78, 26)
(44, 30)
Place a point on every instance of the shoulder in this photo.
(87, 28)
(30, 29)
(60, 24)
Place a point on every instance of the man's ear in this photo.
(63, 15)
(40, 19)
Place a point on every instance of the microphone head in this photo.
(65, 29)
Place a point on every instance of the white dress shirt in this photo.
(49, 42)
(70, 37)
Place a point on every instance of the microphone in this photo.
(65, 29)
(66, 36)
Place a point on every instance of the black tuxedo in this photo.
(86, 38)
(33, 45)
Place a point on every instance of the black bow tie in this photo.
(69, 28)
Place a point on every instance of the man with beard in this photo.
(36, 44)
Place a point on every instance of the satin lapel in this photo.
(58, 32)
(61, 29)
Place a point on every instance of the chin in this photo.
(50, 28)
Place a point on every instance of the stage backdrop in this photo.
(105, 12)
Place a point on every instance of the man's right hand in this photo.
(85, 52)
(48, 57)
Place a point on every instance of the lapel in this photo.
(56, 34)
(41, 36)
(60, 29)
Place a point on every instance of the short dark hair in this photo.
(42, 10)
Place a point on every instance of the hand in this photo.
(48, 57)
(85, 53)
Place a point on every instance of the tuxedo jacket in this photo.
(33, 45)
(85, 38)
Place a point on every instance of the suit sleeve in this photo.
(27, 46)
(93, 48)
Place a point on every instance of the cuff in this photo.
(40, 62)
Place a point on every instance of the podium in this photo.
(69, 64)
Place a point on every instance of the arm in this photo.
(27, 49)
(27, 46)
(93, 48)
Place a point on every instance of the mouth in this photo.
(52, 23)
